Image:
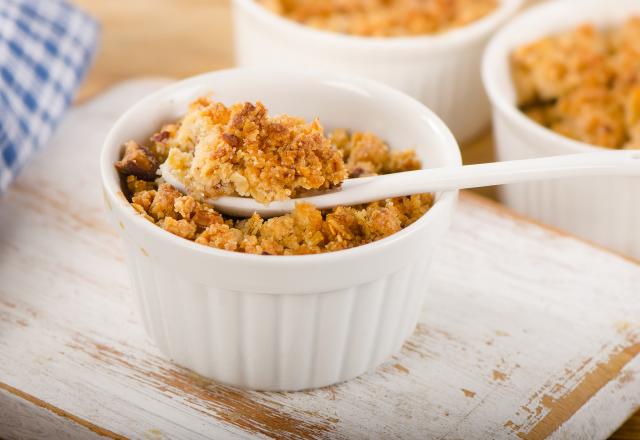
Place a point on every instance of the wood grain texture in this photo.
(26, 417)
(517, 338)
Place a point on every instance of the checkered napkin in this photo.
(46, 47)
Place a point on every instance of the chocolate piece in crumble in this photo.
(137, 161)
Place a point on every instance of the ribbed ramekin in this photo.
(283, 322)
(442, 71)
(603, 210)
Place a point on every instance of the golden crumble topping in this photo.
(306, 230)
(367, 155)
(383, 18)
(240, 150)
(584, 84)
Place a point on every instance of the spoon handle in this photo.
(475, 176)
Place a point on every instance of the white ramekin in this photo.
(603, 210)
(442, 71)
(283, 322)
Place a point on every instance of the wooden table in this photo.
(150, 39)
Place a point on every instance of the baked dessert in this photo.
(584, 83)
(218, 150)
(268, 159)
(383, 18)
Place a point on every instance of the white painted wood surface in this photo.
(525, 332)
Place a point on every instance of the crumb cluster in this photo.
(304, 231)
(217, 150)
(383, 18)
(584, 83)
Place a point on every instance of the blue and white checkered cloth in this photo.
(46, 47)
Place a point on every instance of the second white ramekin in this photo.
(603, 210)
(442, 71)
(283, 322)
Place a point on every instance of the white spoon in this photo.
(369, 189)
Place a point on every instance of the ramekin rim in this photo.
(112, 187)
(509, 109)
(444, 40)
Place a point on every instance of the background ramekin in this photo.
(603, 210)
(442, 71)
(283, 322)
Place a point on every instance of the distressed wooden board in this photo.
(525, 332)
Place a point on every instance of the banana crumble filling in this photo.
(383, 18)
(584, 84)
(240, 150)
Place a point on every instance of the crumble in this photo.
(383, 18)
(240, 150)
(306, 230)
(584, 84)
